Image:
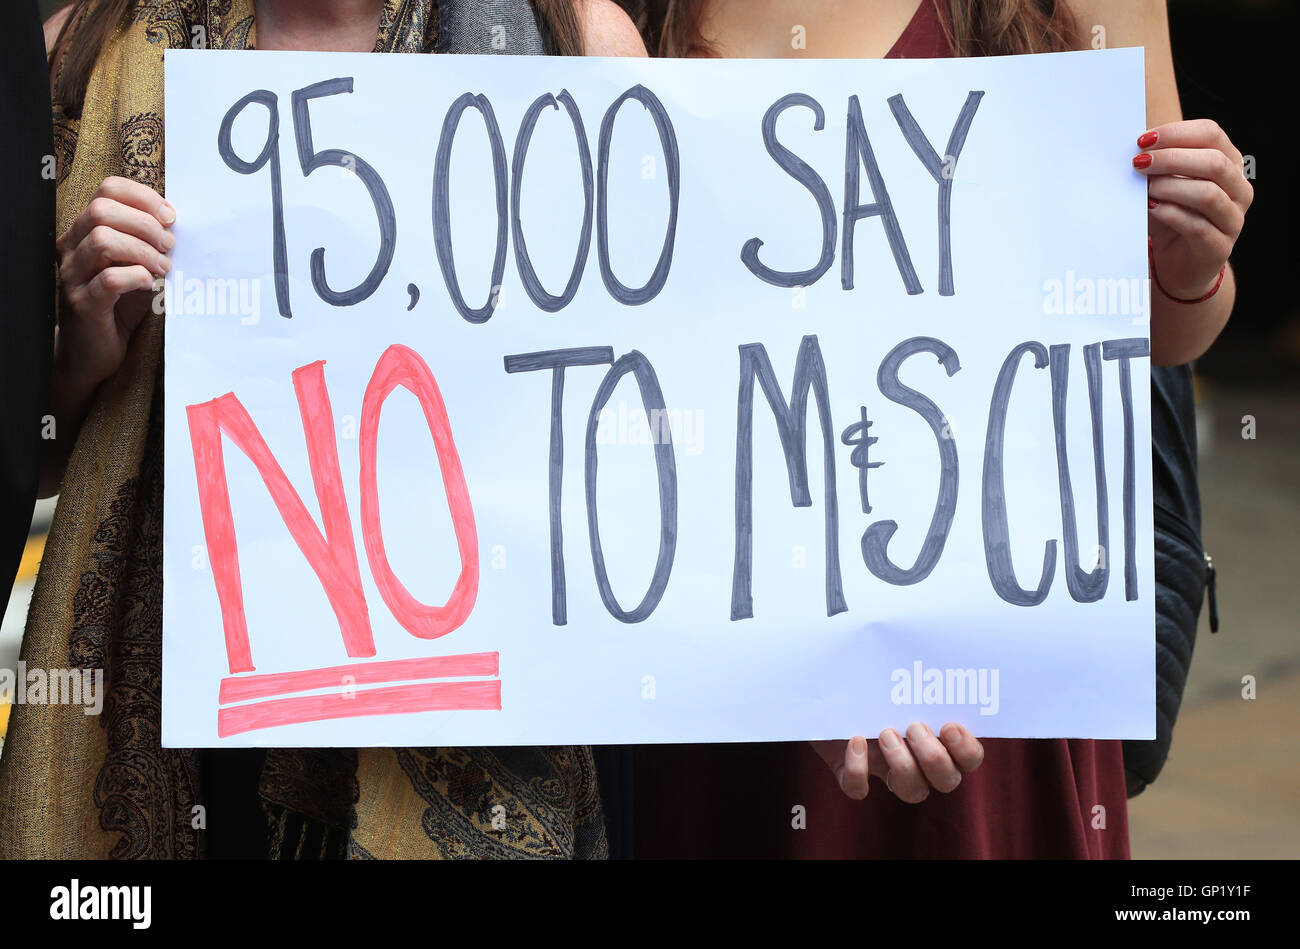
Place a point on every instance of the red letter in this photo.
(333, 557)
(401, 366)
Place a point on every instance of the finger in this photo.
(906, 779)
(100, 295)
(848, 762)
(1204, 197)
(1209, 164)
(1193, 226)
(105, 247)
(138, 196)
(105, 212)
(1189, 133)
(933, 758)
(854, 776)
(963, 747)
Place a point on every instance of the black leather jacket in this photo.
(1183, 570)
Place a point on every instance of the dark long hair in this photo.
(973, 27)
(94, 23)
(558, 22)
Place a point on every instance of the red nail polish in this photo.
(1142, 161)
(1147, 139)
(1152, 203)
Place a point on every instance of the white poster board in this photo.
(521, 400)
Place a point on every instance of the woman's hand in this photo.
(910, 767)
(108, 262)
(1198, 195)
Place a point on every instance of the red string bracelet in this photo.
(1151, 258)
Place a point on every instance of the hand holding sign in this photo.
(1196, 176)
(116, 247)
(110, 262)
(910, 767)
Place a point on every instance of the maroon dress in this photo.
(1030, 798)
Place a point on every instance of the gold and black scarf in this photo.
(79, 786)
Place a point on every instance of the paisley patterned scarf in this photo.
(80, 786)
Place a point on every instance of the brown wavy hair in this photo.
(94, 22)
(972, 27)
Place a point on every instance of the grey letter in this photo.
(1124, 350)
(997, 535)
(940, 169)
(877, 536)
(801, 172)
(1085, 586)
(666, 465)
(792, 425)
(556, 360)
(858, 148)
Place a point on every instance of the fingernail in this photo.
(954, 781)
(167, 214)
(1142, 161)
(858, 747)
(1147, 139)
(168, 240)
(889, 739)
(1152, 203)
(165, 262)
(952, 735)
(917, 731)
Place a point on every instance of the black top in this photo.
(1173, 445)
(26, 272)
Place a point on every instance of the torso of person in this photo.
(1050, 798)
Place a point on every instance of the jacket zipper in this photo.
(1209, 587)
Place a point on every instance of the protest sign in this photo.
(527, 400)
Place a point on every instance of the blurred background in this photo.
(1232, 784)
(1231, 787)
